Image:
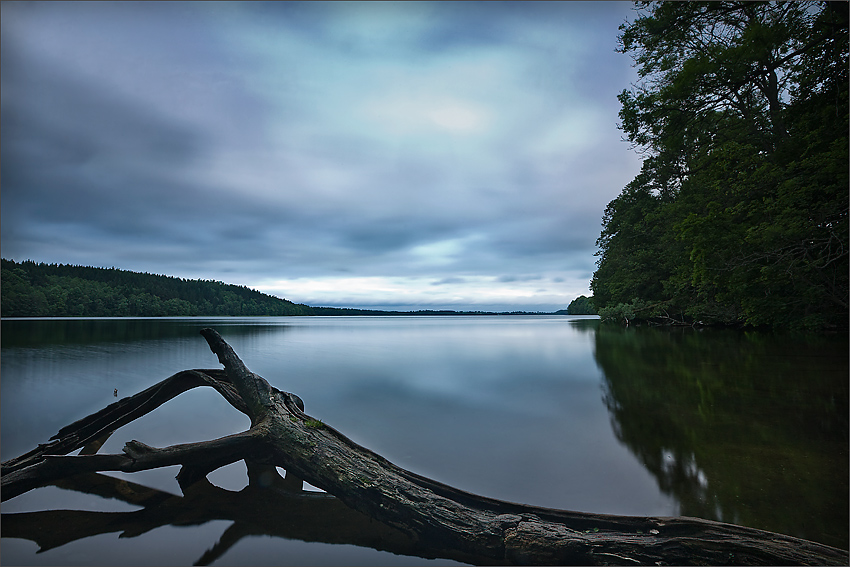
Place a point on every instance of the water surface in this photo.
(546, 410)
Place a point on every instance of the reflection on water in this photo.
(552, 411)
(267, 507)
(744, 428)
(87, 331)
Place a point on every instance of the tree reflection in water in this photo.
(747, 428)
(741, 427)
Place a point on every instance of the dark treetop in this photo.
(739, 213)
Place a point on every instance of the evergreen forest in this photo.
(60, 290)
(739, 215)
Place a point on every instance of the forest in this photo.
(739, 215)
(32, 289)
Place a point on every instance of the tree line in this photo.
(32, 289)
(739, 214)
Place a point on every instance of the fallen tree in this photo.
(413, 514)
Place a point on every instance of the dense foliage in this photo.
(581, 305)
(58, 290)
(739, 214)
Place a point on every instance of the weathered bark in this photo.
(440, 520)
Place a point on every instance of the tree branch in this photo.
(207, 455)
(92, 430)
(253, 389)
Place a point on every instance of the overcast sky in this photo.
(388, 155)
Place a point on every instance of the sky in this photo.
(376, 155)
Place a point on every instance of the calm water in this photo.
(556, 411)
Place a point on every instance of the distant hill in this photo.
(31, 289)
(61, 290)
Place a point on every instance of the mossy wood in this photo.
(392, 508)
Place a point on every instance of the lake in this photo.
(557, 411)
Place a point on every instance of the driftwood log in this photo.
(374, 502)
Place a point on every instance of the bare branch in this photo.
(96, 427)
(208, 455)
(254, 390)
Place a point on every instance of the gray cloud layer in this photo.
(410, 154)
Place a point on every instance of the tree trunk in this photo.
(424, 515)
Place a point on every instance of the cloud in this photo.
(368, 148)
(512, 278)
(452, 280)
